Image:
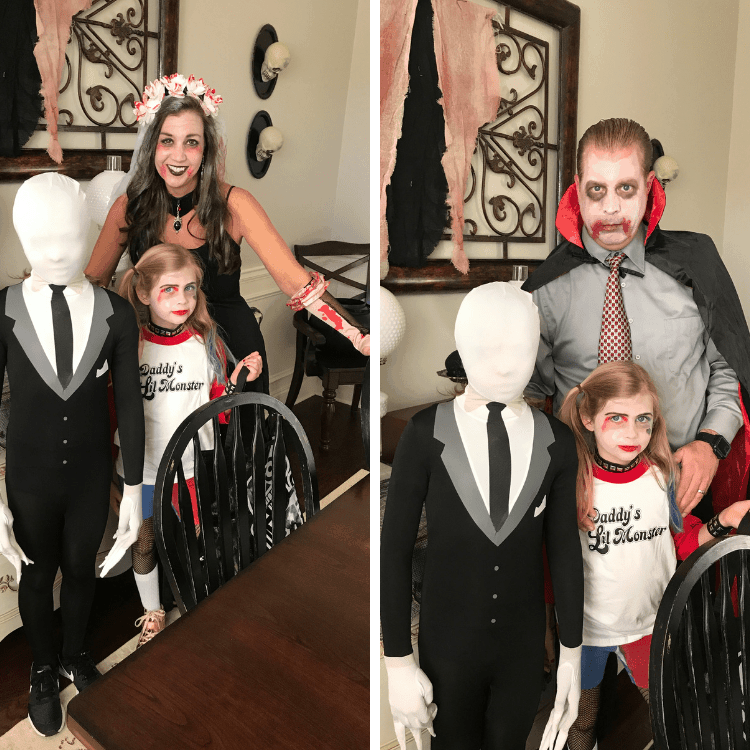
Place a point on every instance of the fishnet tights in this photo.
(144, 554)
(582, 734)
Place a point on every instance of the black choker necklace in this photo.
(617, 468)
(179, 207)
(159, 331)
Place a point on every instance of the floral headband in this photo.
(179, 86)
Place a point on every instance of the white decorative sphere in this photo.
(99, 192)
(392, 323)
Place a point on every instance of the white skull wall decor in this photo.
(666, 169)
(270, 141)
(276, 59)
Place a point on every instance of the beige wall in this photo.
(669, 65)
(736, 238)
(319, 92)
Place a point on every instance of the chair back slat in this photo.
(238, 488)
(204, 489)
(258, 483)
(223, 507)
(188, 538)
(743, 598)
(698, 674)
(278, 480)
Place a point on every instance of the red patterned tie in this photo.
(614, 339)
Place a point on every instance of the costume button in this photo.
(623, 284)
(493, 620)
(494, 596)
(65, 419)
(65, 442)
(65, 462)
(637, 356)
(497, 567)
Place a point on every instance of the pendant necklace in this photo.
(179, 207)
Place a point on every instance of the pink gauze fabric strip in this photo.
(396, 24)
(470, 82)
(53, 18)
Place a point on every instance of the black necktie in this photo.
(499, 455)
(63, 330)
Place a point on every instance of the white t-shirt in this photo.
(175, 380)
(628, 559)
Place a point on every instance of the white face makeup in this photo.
(622, 429)
(179, 152)
(52, 221)
(173, 298)
(612, 193)
(497, 336)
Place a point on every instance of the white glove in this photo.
(131, 517)
(568, 695)
(8, 544)
(410, 696)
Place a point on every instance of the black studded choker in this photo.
(617, 468)
(159, 331)
(179, 207)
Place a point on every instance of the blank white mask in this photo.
(497, 336)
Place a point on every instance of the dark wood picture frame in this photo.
(84, 164)
(440, 275)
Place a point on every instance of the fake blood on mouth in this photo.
(601, 226)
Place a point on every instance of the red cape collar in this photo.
(570, 223)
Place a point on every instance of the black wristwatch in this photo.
(719, 444)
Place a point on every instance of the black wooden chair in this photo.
(238, 494)
(699, 673)
(320, 350)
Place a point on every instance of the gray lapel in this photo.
(457, 465)
(24, 331)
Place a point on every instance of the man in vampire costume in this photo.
(619, 287)
(497, 478)
(60, 338)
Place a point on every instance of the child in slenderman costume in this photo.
(60, 339)
(497, 479)
(182, 366)
(626, 510)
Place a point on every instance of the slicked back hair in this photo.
(616, 134)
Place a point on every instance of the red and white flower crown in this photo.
(179, 86)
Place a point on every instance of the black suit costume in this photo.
(59, 462)
(481, 633)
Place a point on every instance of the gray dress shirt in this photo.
(697, 388)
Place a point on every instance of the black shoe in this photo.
(45, 713)
(80, 670)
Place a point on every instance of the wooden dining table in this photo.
(278, 657)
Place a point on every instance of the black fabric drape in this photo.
(416, 210)
(20, 81)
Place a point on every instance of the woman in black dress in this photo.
(176, 194)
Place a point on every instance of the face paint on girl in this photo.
(173, 298)
(622, 428)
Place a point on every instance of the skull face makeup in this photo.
(497, 336)
(270, 141)
(276, 59)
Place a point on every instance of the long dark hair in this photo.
(148, 198)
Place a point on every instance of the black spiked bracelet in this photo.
(716, 528)
(230, 388)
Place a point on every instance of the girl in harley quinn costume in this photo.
(182, 366)
(626, 511)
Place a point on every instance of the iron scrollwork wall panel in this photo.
(116, 47)
(524, 160)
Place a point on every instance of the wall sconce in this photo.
(270, 57)
(263, 141)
